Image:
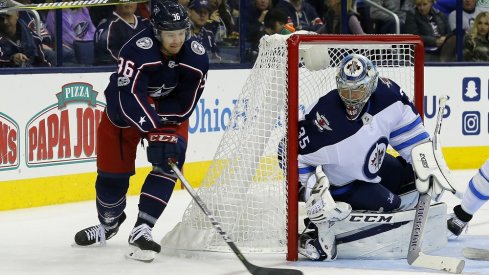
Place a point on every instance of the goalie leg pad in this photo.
(374, 235)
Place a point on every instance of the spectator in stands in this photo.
(302, 14)
(476, 41)
(431, 25)
(99, 14)
(143, 10)
(115, 31)
(319, 6)
(199, 15)
(221, 22)
(470, 11)
(19, 46)
(384, 22)
(445, 6)
(234, 7)
(276, 22)
(184, 3)
(47, 41)
(483, 5)
(77, 26)
(332, 18)
(256, 17)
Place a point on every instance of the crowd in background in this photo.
(93, 36)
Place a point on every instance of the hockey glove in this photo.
(432, 173)
(320, 205)
(163, 147)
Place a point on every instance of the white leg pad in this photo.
(373, 235)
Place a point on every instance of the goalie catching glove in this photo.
(432, 173)
(323, 212)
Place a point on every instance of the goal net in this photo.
(251, 186)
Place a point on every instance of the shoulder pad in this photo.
(142, 48)
(194, 54)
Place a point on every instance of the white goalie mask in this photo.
(356, 80)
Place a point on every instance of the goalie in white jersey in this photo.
(346, 134)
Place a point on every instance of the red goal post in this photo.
(293, 45)
(251, 185)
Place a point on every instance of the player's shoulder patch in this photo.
(144, 43)
(197, 48)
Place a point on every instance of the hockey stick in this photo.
(253, 269)
(6, 7)
(415, 257)
(477, 254)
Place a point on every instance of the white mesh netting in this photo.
(245, 188)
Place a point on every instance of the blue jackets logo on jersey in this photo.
(375, 157)
(144, 43)
(122, 81)
(197, 48)
(322, 123)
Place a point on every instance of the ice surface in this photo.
(39, 241)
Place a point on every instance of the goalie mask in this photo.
(170, 20)
(356, 80)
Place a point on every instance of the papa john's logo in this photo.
(375, 157)
(65, 131)
(9, 143)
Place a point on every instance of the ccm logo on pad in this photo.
(159, 137)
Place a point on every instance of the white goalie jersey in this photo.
(352, 150)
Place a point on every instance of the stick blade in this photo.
(477, 254)
(274, 271)
(448, 264)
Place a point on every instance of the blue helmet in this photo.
(169, 15)
(356, 80)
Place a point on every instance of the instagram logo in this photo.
(471, 123)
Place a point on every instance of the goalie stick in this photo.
(477, 254)
(415, 257)
(253, 269)
(6, 5)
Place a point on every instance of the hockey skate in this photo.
(98, 233)
(458, 221)
(310, 247)
(143, 248)
(455, 225)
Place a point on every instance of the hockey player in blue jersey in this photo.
(346, 134)
(476, 194)
(160, 78)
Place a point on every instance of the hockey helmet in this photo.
(169, 15)
(356, 80)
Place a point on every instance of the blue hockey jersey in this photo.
(149, 88)
(354, 150)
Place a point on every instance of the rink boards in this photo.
(48, 150)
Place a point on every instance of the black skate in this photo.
(93, 234)
(143, 248)
(455, 225)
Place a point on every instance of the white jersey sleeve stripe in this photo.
(476, 192)
(406, 128)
